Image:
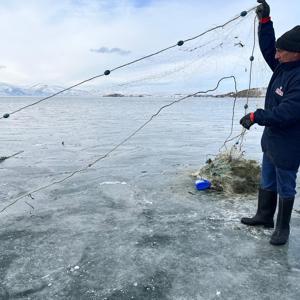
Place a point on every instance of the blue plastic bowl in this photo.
(202, 184)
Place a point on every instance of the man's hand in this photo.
(247, 121)
(262, 10)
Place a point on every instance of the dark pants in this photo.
(278, 180)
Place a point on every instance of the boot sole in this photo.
(278, 244)
(259, 224)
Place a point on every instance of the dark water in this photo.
(133, 226)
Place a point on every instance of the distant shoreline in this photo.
(249, 93)
(41, 91)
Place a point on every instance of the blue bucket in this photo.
(202, 184)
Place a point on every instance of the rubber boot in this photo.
(282, 231)
(267, 201)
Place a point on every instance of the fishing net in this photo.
(231, 173)
(192, 66)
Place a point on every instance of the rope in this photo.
(232, 118)
(242, 136)
(108, 72)
(117, 146)
(2, 158)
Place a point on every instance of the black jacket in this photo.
(281, 115)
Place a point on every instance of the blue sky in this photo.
(64, 41)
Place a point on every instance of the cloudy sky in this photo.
(61, 42)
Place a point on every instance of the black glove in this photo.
(262, 10)
(247, 121)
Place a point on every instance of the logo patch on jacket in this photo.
(279, 91)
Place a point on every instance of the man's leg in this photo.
(268, 179)
(267, 197)
(287, 190)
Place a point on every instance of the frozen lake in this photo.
(132, 226)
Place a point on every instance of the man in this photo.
(281, 137)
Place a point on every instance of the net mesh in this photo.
(194, 66)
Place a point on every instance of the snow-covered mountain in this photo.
(40, 90)
(43, 90)
(11, 90)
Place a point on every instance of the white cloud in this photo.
(106, 50)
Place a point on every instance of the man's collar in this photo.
(290, 65)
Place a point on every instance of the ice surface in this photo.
(133, 226)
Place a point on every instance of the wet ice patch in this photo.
(119, 194)
(155, 286)
(155, 240)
